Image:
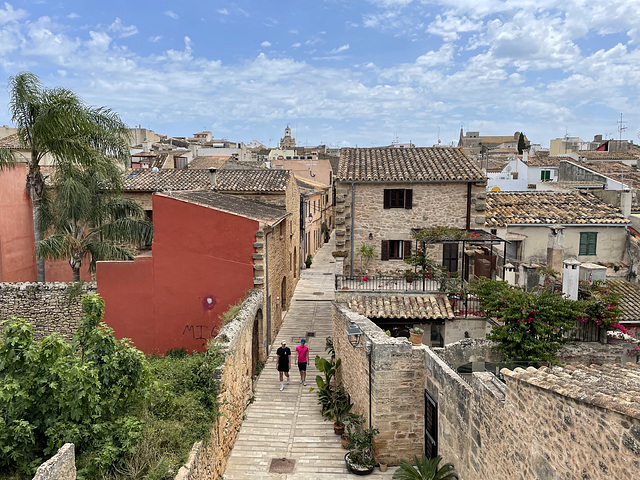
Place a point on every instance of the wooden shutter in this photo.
(387, 198)
(384, 250)
(407, 249)
(408, 198)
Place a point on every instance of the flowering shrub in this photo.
(439, 233)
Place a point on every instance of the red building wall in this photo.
(202, 263)
(17, 247)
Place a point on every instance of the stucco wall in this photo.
(50, 307)
(611, 243)
(17, 245)
(433, 204)
(202, 263)
(208, 460)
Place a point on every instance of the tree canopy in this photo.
(55, 123)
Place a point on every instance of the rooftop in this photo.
(614, 170)
(596, 155)
(263, 212)
(427, 164)
(402, 306)
(629, 299)
(548, 208)
(612, 387)
(12, 142)
(542, 160)
(168, 179)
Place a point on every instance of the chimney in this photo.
(213, 177)
(146, 147)
(625, 203)
(570, 278)
(555, 248)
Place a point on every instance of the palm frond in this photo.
(7, 159)
(425, 469)
(128, 229)
(107, 251)
(58, 246)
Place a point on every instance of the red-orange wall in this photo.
(60, 271)
(17, 246)
(160, 302)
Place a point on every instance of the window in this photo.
(398, 198)
(545, 175)
(588, 243)
(395, 249)
(514, 250)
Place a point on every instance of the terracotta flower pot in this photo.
(383, 466)
(338, 429)
(416, 338)
(344, 440)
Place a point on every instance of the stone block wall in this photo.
(62, 466)
(397, 385)
(433, 204)
(208, 460)
(50, 307)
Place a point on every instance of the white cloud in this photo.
(73, 16)
(265, 44)
(8, 14)
(122, 30)
(296, 45)
(223, 11)
(342, 48)
(171, 14)
(155, 39)
(450, 27)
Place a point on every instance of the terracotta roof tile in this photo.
(402, 306)
(258, 180)
(428, 164)
(613, 170)
(12, 142)
(208, 162)
(543, 161)
(612, 387)
(263, 212)
(547, 208)
(596, 155)
(629, 299)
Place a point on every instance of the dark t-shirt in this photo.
(283, 362)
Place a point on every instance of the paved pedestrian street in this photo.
(284, 431)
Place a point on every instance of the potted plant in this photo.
(308, 261)
(339, 410)
(359, 460)
(425, 469)
(416, 334)
(383, 465)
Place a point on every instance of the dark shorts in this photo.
(302, 366)
(283, 368)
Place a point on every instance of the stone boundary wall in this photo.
(62, 466)
(469, 350)
(48, 306)
(208, 460)
(397, 385)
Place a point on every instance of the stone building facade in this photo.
(576, 422)
(50, 307)
(383, 194)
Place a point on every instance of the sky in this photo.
(338, 72)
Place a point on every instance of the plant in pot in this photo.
(341, 412)
(425, 469)
(416, 334)
(326, 394)
(359, 460)
(308, 261)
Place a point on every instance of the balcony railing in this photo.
(465, 306)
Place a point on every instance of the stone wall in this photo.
(50, 307)
(469, 350)
(397, 385)
(433, 204)
(208, 460)
(62, 466)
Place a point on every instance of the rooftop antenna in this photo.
(439, 141)
(566, 138)
(621, 127)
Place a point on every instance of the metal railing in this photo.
(466, 306)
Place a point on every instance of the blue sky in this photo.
(339, 72)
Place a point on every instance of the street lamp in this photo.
(354, 334)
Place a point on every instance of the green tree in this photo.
(522, 145)
(56, 123)
(84, 218)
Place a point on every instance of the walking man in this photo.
(302, 354)
(283, 362)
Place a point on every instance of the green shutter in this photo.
(588, 243)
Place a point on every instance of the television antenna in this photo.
(621, 127)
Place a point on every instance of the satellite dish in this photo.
(508, 169)
(155, 169)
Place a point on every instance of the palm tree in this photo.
(56, 123)
(86, 217)
(426, 469)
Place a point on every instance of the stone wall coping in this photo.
(44, 286)
(447, 370)
(62, 466)
(231, 332)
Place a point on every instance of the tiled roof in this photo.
(208, 162)
(497, 140)
(12, 142)
(548, 208)
(253, 209)
(595, 155)
(612, 387)
(428, 164)
(402, 306)
(613, 170)
(169, 179)
(629, 299)
(543, 161)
